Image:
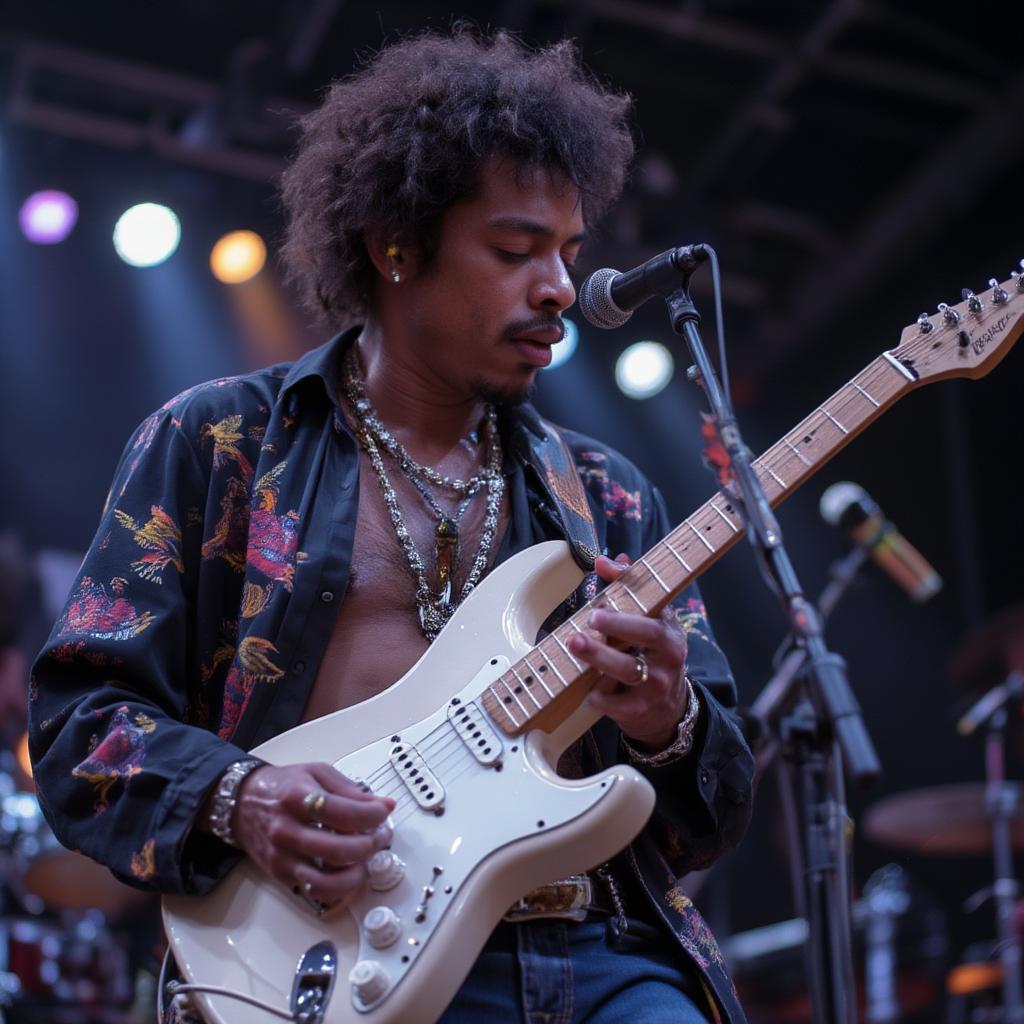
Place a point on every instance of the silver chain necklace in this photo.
(435, 607)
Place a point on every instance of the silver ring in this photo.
(642, 671)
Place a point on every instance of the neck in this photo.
(417, 405)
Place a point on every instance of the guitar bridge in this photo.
(422, 783)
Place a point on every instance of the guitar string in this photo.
(842, 401)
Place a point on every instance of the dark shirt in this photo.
(204, 606)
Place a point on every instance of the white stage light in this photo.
(562, 351)
(146, 235)
(643, 369)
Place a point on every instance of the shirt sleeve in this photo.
(704, 800)
(120, 771)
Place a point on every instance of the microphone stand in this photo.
(825, 729)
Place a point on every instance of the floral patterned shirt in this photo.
(203, 608)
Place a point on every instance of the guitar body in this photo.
(502, 831)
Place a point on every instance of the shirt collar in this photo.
(323, 362)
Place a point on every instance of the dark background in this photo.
(854, 163)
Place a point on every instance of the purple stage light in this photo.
(47, 217)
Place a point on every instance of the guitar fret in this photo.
(893, 361)
(554, 668)
(506, 705)
(679, 558)
(539, 676)
(529, 691)
(515, 696)
(865, 394)
(700, 536)
(568, 653)
(636, 599)
(775, 476)
(835, 421)
(732, 525)
(611, 601)
(796, 451)
(651, 570)
(526, 689)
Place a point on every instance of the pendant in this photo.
(446, 555)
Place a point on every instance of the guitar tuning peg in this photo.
(972, 300)
(1018, 278)
(999, 295)
(924, 324)
(949, 314)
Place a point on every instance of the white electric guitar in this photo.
(468, 739)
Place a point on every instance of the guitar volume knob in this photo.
(382, 926)
(385, 869)
(369, 981)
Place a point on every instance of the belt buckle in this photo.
(568, 899)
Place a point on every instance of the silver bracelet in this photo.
(680, 746)
(226, 796)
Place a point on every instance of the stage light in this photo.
(47, 217)
(643, 369)
(237, 257)
(562, 351)
(146, 235)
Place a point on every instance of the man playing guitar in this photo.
(288, 543)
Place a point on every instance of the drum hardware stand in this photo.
(1003, 801)
(826, 731)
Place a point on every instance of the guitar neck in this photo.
(545, 686)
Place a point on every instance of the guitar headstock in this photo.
(968, 339)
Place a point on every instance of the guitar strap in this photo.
(560, 478)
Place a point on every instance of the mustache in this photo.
(537, 323)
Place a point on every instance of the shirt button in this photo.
(299, 667)
(327, 596)
(704, 776)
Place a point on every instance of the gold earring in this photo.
(391, 252)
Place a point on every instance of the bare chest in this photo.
(377, 636)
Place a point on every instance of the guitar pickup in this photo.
(421, 782)
(475, 731)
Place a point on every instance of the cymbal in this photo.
(941, 820)
(990, 652)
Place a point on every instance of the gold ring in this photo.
(313, 802)
(642, 671)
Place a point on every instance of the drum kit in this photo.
(65, 947)
(900, 931)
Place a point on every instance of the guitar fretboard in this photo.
(540, 683)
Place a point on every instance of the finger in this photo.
(338, 851)
(333, 781)
(627, 705)
(626, 668)
(333, 888)
(609, 570)
(345, 815)
(638, 630)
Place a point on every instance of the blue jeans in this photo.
(556, 972)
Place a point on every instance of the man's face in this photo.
(488, 308)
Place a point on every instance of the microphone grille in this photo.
(596, 302)
(837, 499)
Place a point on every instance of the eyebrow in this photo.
(530, 227)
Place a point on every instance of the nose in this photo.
(553, 289)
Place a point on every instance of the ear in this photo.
(378, 242)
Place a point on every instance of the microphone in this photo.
(608, 298)
(981, 711)
(848, 506)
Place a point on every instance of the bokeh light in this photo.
(147, 234)
(237, 257)
(47, 217)
(562, 351)
(643, 369)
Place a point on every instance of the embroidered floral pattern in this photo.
(118, 756)
(94, 612)
(161, 539)
(253, 664)
(144, 862)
